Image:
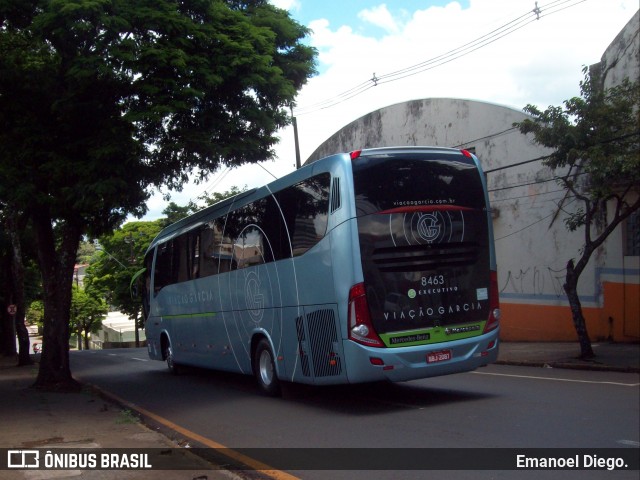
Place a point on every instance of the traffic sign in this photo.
(12, 309)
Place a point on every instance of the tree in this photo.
(174, 212)
(101, 101)
(595, 138)
(215, 197)
(18, 282)
(18, 274)
(120, 256)
(87, 313)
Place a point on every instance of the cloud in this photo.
(286, 4)
(380, 17)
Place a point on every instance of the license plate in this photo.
(441, 356)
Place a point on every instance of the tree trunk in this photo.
(17, 270)
(57, 276)
(87, 333)
(7, 325)
(571, 289)
(7, 335)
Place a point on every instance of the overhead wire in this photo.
(532, 224)
(506, 29)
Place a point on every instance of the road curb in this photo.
(218, 457)
(568, 366)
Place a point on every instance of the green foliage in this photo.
(215, 197)
(126, 416)
(595, 138)
(100, 99)
(120, 256)
(87, 311)
(35, 313)
(86, 252)
(174, 212)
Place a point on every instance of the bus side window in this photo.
(306, 207)
(146, 291)
(194, 252)
(224, 249)
(162, 272)
(181, 259)
(248, 249)
(208, 260)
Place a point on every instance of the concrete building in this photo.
(118, 331)
(532, 242)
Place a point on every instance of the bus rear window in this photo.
(415, 180)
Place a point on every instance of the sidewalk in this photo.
(614, 357)
(33, 419)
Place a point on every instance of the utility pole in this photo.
(295, 136)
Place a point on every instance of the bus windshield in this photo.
(424, 244)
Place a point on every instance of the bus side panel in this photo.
(152, 334)
(205, 343)
(251, 301)
(190, 315)
(314, 276)
(310, 290)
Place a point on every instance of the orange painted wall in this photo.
(618, 319)
(622, 304)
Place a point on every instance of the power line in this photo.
(537, 182)
(532, 224)
(486, 137)
(529, 195)
(537, 159)
(454, 54)
(264, 168)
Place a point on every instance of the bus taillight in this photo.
(360, 327)
(494, 303)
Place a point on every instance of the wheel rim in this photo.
(265, 367)
(169, 358)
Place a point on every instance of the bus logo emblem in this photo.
(254, 299)
(429, 227)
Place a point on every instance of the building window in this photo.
(632, 235)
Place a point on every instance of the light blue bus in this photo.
(373, 265)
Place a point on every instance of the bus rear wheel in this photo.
(171, 364)
(265, 370)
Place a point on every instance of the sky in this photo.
(497, 51)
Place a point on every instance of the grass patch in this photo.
(127, 417)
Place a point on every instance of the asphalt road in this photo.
(497, 406)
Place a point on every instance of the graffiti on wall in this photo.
(537, 281)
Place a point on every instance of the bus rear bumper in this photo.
(367, 364)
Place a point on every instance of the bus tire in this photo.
(265, 369)
(170, 359)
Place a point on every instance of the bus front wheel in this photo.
(265, 370)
